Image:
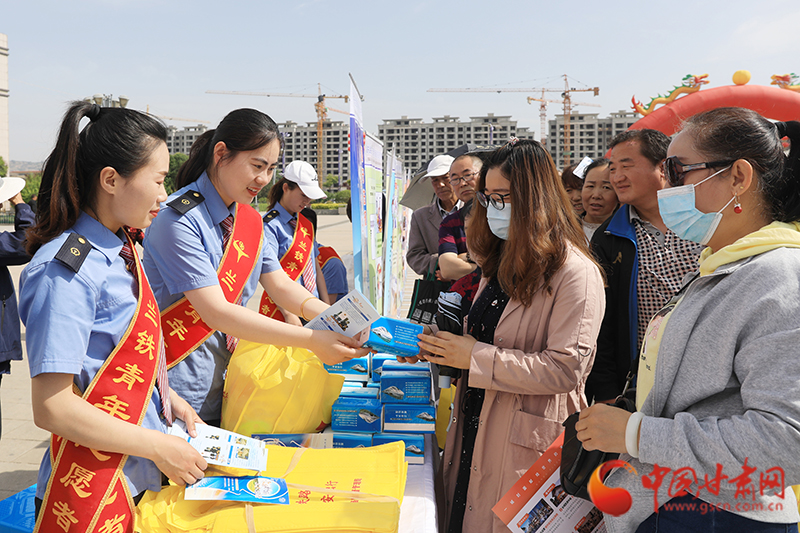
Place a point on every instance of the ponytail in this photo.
(199, 160)
(276, 191)
(242, 130)
(789, 193)
(115, 137)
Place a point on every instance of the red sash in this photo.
(87, 490)
(326, 253)
(184, 330)
(293, 262)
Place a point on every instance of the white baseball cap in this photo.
(439, 166)
(304, 175)
(9, 187)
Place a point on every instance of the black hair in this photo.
(569, 179)
(311, 215)
(653, 144)
(123, 139)
(597, 163)
(276, 191)
(241, 130)
(731, 133)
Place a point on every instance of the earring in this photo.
(737, 207)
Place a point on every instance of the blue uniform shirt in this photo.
(182, 253)
(279, 235)
(75, 320)
(335, 274)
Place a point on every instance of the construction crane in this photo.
(322, 115)
(196, 120)
(543, 112)
(566, 100)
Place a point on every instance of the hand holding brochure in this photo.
(224, 448)
(350, 316)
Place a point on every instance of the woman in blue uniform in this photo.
(291, 195)
(80, 302)
(183, 251)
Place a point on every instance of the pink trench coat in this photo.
(534, 376)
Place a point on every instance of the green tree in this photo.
(32, 183)
(175, 162)
(331, 181)
(3, 168)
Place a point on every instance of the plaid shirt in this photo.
(664, 260)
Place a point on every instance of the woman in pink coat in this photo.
(530, 336)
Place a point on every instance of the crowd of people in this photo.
(627, 275)
(674, 263)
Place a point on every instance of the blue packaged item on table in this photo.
(409, 418)
(396, 366)
(349, 440)
(373, 385)
(17, 512)
(361, 415)
(359, 392)
(356, 369)
(378, 360)
(405, 387)
(393, 336)
(414, 444)
(318, 441)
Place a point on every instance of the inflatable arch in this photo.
(771, 102)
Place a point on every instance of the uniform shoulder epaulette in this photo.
(182, 204)
(74, 251)
(272, 214)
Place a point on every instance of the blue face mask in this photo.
(679, 213)
(499, 220)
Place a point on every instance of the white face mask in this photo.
(499, 220)
(680, 214)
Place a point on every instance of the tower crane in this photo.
(543, 113)
(566, 100)
(319, 107)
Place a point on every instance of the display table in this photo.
(418, 512)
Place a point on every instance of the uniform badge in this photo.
(187, 201)
(74, 251)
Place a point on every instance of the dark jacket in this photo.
(614, 246)
(12, 252)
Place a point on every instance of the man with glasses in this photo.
(423, 241)
(644, 261)
(454, 260)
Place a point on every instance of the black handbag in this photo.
(578, 464)
(424, 302)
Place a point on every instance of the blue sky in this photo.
(167, 54)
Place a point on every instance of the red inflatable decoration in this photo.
(770, 102)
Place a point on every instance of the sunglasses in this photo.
(675, 171)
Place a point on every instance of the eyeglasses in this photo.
(497, 200)
(465, 178)
(675, 171)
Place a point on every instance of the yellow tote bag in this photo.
(275, 389)
(335, 490)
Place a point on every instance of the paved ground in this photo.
(22, 444)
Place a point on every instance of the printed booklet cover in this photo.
(538, 504)
(224, 448)
(350, 316)
(239, 489)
